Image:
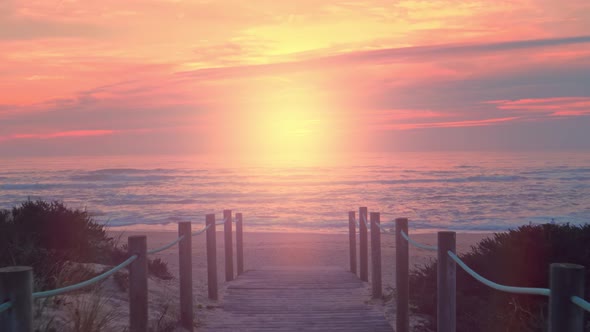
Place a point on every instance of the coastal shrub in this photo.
(519, 257)
(48, 235)
(156, 267)
(159, 269)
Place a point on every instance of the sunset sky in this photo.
(178, 77)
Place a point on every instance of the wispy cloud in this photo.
(71, 133)
(458, 50)
(446, 124)
(387, 55)
(558, 106)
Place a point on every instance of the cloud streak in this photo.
(446, 124)
(559, 106)
(61, 134)
(430, 52)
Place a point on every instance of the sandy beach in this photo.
(263, 249)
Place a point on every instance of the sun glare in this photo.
(294, 125)
(291, 129)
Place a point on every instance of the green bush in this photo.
(518, 257)
(159, 269)
(46, 235)
(68, 233)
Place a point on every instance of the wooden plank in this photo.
(296, 299)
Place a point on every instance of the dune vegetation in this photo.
(519, 257)
(50, 236)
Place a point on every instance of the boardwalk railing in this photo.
(565, 292)
(16, 282)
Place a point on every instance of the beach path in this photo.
(296, 299)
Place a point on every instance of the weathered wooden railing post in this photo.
(138, 301)
(402, 279)
(229, 248)
(446, 283)
(376, 255)
(364, 245)
(239, 243)
(16, 286)
(566, 280)
(352, 241)
(211, 257)
(185, 268)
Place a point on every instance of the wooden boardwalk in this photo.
(297, 299)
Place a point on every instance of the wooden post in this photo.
(376, 255)
(138, 301)
(239, 243)
(185, 268)
(402, 277)
(566, 280)
(352, 241)
(16, 286)
(446, 283)
(229, 249)
(364, 245)
(211, 257)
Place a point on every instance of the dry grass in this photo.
(166, 320)
(91, 312)
(86, 310)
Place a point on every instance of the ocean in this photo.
(461, 191)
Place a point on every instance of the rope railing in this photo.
(417, 244)
(491, 284)
(169, 245)
(566, 302)
(110, 272)
(185, 231)
(70, 288)
(86, 283)
(384, 230)
(178, 239)
(222, 222)
(364, 219)
(580, 302)
(202, 230)
(355, 221)
(5, 306)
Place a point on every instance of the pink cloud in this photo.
(404, 114)
(406, 119)
(70, 133)
(100, 132)
(447, 124)
(558, 106)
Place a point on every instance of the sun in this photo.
(285, 120)
(292, 125)
(294, 129)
